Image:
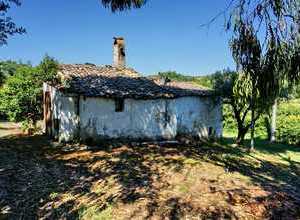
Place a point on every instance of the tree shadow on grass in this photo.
(39, 180)
(264, 146)
(273, 175)
(262, 171)
(33, 173)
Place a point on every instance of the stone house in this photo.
(92, 103)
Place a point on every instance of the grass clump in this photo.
(93, 213)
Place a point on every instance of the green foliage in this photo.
(270, 62)
(229, 122)
(7, 26)
(121, 5)
(21, 95)
(223, 82)
(8, 68)
(296, 92)
(173, 75)
(247, 96)
(288, 123)
(95, 214)
(48, 68)
(205, 81)
(238, 91)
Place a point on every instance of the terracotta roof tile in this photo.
(108, 81)
(80, 70)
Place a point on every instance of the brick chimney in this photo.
(119, 52)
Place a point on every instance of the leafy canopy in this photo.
(237, 92)
(7, 25)
(8, 68)
(21, 95)
(121, 5)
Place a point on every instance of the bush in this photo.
(229, 123)
(288, 123)
(21, 95)
(8, 68)
(289, 130)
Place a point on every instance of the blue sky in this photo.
(161, 36)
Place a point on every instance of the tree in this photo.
(8, 68)
(236, 90)
(173, 75)
(48, 68)
(270, 61)
(7, 25)
(120, 5)
(21, 95)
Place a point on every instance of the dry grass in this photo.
(183, 181)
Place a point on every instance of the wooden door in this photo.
(48, 113)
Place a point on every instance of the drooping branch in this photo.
(121, 5)
(7, 26)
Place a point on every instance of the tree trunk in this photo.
(267, 121)
(241, 135)
(273, 121)
(252, 130)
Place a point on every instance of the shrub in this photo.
(288, 123)
(21, 95)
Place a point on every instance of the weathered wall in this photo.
(195, 115)
(96, 118)
(64, 109)
(149, 119)
(140, 119)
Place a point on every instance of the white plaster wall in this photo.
(149, 119)
(191, 116)
(140, 119)
(68, 118)
(64, 108)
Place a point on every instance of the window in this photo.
(119, 104)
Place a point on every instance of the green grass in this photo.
(93, 213)
(264, 147)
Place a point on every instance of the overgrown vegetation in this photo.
(21, 94)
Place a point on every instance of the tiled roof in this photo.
(108, 81)
(80, 70)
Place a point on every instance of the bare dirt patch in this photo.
(9, 128)
(150, 181)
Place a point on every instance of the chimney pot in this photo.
(119, 52)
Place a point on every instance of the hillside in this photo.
(204, 81)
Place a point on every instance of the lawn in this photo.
(185, 180)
